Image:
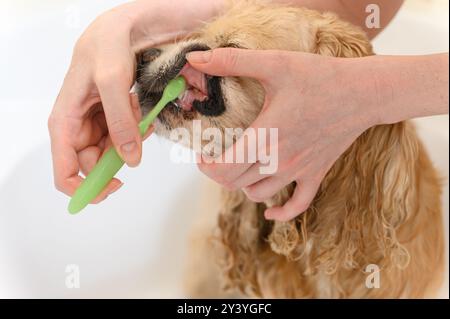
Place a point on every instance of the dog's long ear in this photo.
(338, 38)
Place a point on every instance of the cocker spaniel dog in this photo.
(378, 208)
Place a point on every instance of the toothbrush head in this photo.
(174, 89)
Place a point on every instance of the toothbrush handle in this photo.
(110, 163)
(100, 176)
(105, 170)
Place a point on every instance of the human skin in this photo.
(94, 104)
(315, 128)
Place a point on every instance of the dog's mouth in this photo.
(196, 89)
(203, 94)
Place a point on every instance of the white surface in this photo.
(133, 244)
(130, 246)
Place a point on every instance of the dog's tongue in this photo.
(195, 78)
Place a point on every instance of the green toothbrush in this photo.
(111, 162)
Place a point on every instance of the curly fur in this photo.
(379, 203)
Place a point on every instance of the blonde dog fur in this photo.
(379, 204)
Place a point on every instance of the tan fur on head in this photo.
(379, 204)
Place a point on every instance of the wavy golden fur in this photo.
(379, 204)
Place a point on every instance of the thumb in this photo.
(300, 201)
(257, 64)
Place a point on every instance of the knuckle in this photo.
(117, 125)
(105, 75)
(206, 169)
(59, 185)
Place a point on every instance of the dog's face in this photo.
(234, 102)
(219, 102)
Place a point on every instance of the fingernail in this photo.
(129, 152)
(199, 56)
(267, 215)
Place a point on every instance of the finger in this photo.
(249, 177)
(91, 132)
(65, 165)
(122, 124)
(304, 194)
(223, 173)
(88, 158)
(137, 111)
(113, 186)
(100, 121)
(235, 161)
(237, 62)
(69, 104)
(136, 107)
(265, 188)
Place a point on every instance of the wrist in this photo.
(154, 22)
(406, 87)
(357, 95)
(374, 89)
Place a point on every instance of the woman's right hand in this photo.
(94, 104)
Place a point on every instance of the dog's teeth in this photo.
(182, 95)
(175, 103)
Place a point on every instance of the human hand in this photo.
(94, 103)
(316, 104)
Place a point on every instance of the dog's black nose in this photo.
(144, 58)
